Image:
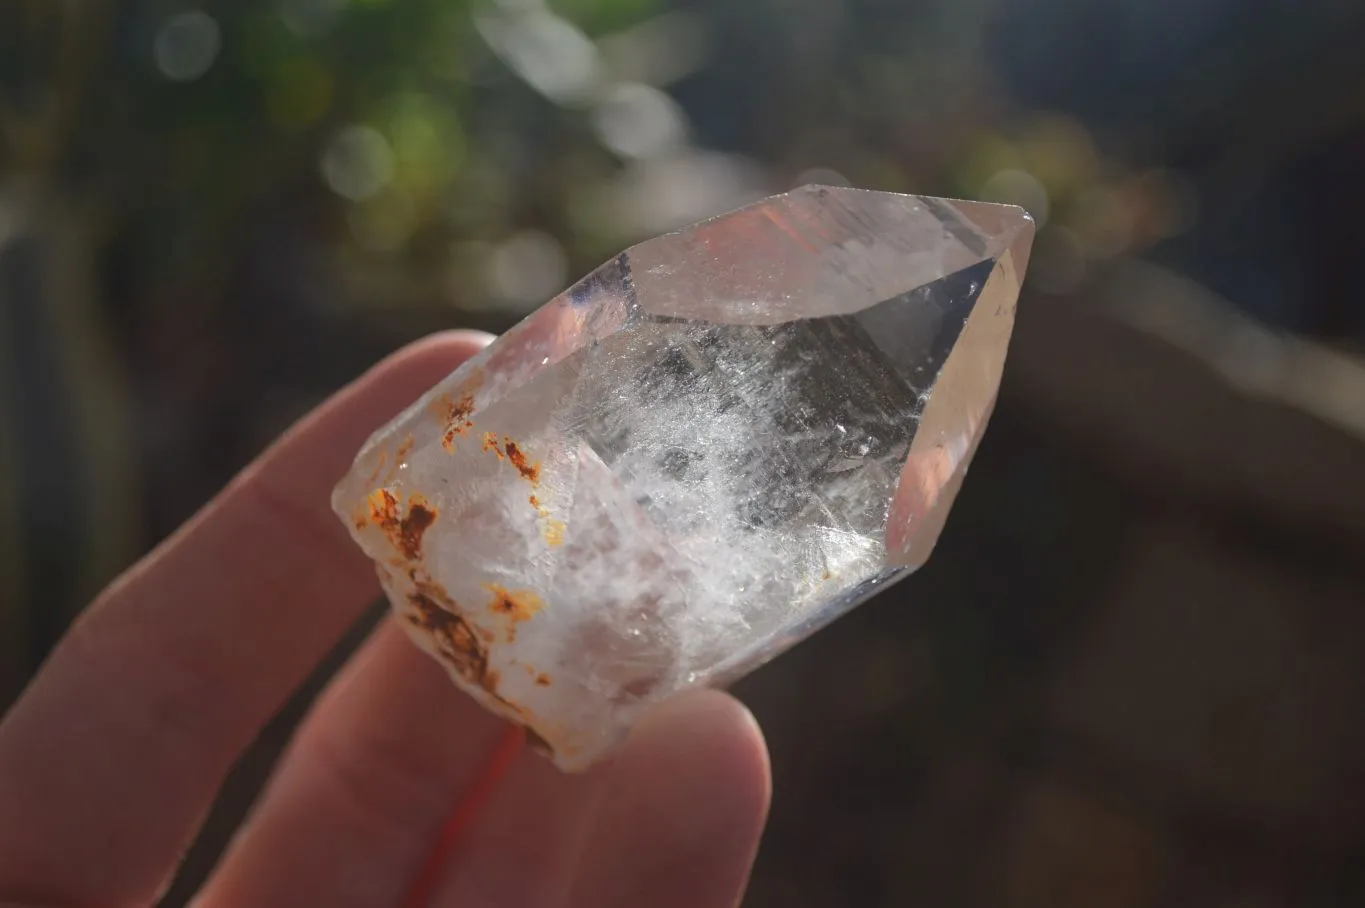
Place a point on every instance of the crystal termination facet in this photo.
(698, 455)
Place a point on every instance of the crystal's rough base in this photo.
(695, 457)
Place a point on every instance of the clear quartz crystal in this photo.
(695, 457)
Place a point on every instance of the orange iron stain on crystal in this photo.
(405, 531)
(378, 467)
(454, 416)
(514, 605)
(529, 471)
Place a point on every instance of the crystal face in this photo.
(695, 457)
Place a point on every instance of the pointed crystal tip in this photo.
(699, 454)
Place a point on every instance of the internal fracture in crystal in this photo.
(698, 455)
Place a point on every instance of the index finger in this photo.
(113, 755)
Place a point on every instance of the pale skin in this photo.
(112, 757)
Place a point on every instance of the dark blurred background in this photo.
(1132, 674)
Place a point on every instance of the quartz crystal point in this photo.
(701, 453)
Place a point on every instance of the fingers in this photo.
(673, 820)
(112, 756)
(680, 824)
(392, 750)
(524, 848)
(371, 778)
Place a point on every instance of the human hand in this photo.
(112, 757)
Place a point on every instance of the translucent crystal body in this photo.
(698, 455)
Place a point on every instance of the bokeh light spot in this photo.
(528, 268)
(550, 54)
(427, 140)
(1104, 222)
(186, 45)
(1018, 187)
(638, 121)
(358, 163)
